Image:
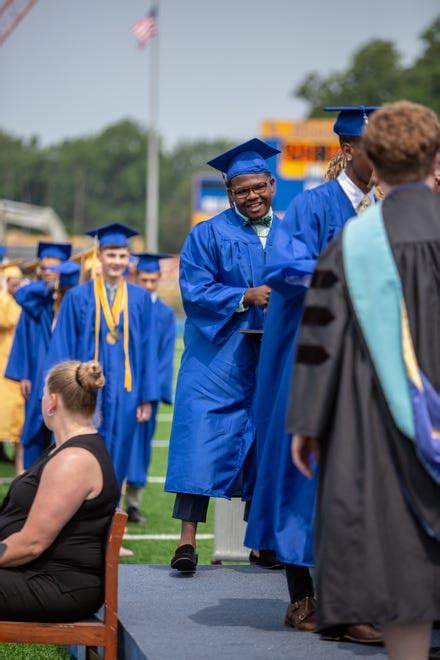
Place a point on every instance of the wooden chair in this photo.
(89, 632)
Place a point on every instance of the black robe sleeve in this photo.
(316, 369)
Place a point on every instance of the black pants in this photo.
(299, 582)
(194, 508)
(26, 595)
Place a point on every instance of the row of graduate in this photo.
(55, 319)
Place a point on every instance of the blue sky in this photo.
(72, 66)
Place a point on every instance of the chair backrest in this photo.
(114, 543)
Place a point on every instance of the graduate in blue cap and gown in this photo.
(111, 321)
(148, 276)
(282, 511)
(31, 343)
(221, 280)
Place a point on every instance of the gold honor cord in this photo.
(112, 319)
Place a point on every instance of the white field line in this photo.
(164, 417)
(163, 537)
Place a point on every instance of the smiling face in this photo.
(114, 260)
(252, 194)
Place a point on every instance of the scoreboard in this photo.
(306, 148)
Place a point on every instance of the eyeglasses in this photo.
(258, 189)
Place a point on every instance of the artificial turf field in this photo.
(156, 507)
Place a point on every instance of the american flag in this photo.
(146, 28)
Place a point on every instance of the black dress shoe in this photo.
(266, 559)
(185, 559)
(135, 516)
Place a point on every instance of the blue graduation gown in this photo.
(26, 361)
(165, 323)
(213, 426)
(74, 338)
(282, 510)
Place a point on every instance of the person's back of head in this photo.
(78, 384)
(401, 140)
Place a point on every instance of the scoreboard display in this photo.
(306, 148)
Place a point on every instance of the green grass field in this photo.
(156, 507)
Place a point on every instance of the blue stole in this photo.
(376, 294)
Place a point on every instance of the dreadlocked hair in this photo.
(335, 167)
(379, 193)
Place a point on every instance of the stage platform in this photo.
(222, 612)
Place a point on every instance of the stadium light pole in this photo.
(152, 183)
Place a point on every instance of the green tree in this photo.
(177, 173)
(422, 79)
(376, 75)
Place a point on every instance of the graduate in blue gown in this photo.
(221, 271)
(31, 343)
(282, 512)
(148, 276)
(110, 320)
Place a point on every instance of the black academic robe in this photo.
(374, 561)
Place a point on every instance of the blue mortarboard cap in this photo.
(149, 261)
(352, 119)
(3, 251)
(114, 235)
(69, 273)
(55, 250)
(247, 158)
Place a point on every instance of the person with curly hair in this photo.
(364, 402)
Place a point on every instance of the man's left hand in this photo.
(302, 448)
(143, 412)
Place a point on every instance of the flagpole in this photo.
(152, 183)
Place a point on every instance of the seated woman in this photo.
(55, 518)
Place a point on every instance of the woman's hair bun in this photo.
(90, 376)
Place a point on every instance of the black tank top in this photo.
(78, 550)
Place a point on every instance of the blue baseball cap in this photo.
(352, 119)
(247, 158)
(59, 251)
(113, 235)
(148, 262)
(69, 273)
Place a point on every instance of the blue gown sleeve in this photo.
(35, 298)
(150, 387)
(292, 259)
(63, 343)
(19, 362)
(166, 358)
(208, 303)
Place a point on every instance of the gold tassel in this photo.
(127, 379)
(97, 318)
